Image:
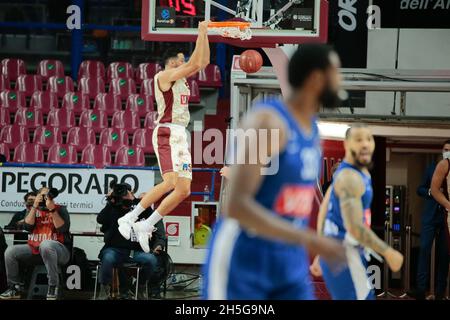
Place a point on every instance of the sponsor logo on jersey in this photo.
(184, 99)
(295, 200)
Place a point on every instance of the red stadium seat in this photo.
(5, 117)
(76, 102)
(4, 150)
(50, 68)
(140, 104)
(210, 77)
(47, 136)
(62, 153)
(80, 137)
(28, 117)
(108, 102)
(12, 68)
(195, 91)
(14, 134)
(127, 120)
(62, 118)
(4, 82)
(130, 156)
(28, 153)
(12, 100)
(91, 69)
(60, 85)
(146, 71)
(44, 100)
(114, 138)
(150, 120)
(123, 87)
(147, 87)
(119, 70)
(94, 119)
(142, 138)
(91, 86)
(98, 156)
(28, 84)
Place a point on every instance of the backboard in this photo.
(273, 21)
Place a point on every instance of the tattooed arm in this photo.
(349, 187)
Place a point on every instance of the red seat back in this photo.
(195, 91)
(95, 119)
(108, 102)
(28, 153)
(44, 100)
(80, 137)
(123, 87)
(141, 104)
(114, 138)
(12, 68)
(47, 136)
(50, 68)
(60, 85)
(62, 118)
(119, 70)
(4, 82)
(147, 87)
(91, 69)
(5, 117)
(150, 120)
(143, 138)
(12, 100)
(130, 156)
(210, 77)
(64, 154)
(146, 71)
(91, 86)
(14, 134)
(127, 120)
(98, 156)
(28, 84)
(76, 102)
(29, 117)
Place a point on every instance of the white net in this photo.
(233, 32)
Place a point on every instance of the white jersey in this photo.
(173, 105)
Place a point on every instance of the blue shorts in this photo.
(244, 267)
(352, 283)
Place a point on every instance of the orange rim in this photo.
(229, 24)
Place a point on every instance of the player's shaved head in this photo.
(353, 127)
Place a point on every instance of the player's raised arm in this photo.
(439, 175)
(196, 61)
(245, 182)
(349, 187)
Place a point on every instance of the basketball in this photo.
(251, 61)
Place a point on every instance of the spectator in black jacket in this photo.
(117, 249)
(17, 221)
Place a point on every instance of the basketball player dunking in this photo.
(345, 215)
(259, 249)
(169, 138)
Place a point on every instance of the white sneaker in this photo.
(125, 224)
(143, 235)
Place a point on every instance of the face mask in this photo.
(446, 155)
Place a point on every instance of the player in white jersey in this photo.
(170, 139)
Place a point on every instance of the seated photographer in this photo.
(17, 221)
(49, 241)
(117, 249)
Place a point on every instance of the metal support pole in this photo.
(407, 269)
(76, 51)
(403, 103)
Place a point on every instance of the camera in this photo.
(119, 191)
(51, 194)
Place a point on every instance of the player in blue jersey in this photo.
(345, 215)
(259, 248)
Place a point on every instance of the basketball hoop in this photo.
(232, 29)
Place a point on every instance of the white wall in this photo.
(427, 49)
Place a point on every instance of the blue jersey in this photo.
(334, 223)
(352, 282)
(242, 265)
(290, 192)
